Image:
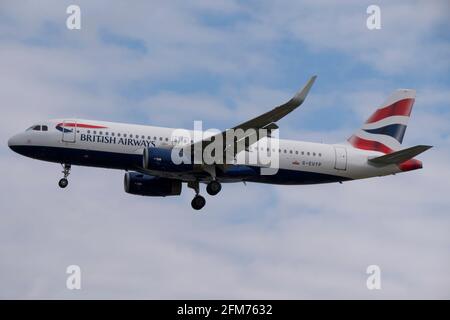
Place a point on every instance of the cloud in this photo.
(405, 41)
(168, 63)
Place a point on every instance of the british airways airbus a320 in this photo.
(146, 152)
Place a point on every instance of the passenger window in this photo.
(95, 132)
(100, 132)
(125, 135)
(314, 154)
(296, 151)
(320, 154)
(303, 153)
(307, 153)
(290, 151)
(118, 134)
(89, 131)
(106, 133)
(167, 139)
(160, 138)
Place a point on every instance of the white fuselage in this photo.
(120, 146)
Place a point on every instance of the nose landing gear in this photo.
(66, 171)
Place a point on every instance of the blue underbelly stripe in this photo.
(126, 161)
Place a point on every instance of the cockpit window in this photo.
(38, 128)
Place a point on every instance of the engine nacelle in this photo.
(160, 159)
(145, 185)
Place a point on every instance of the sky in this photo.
(170, 63)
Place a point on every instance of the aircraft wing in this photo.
(265, 121)
(279, 112)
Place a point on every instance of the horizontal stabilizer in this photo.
(400, 156)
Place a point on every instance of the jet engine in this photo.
(165, 159)
(146, 185)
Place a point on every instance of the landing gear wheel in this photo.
(213, 188)
(66, 171)
(63, 183)
(198, 202)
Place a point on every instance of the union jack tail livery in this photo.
(385, 128)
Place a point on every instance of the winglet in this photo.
(300, 96)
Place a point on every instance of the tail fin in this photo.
(385, 129)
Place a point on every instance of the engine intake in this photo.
(145, 185)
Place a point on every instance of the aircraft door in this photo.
(341, 158)
(69, 129)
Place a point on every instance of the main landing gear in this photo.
(212, 188)
(66, 171)
(198, 202)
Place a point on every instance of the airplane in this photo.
(146, 152)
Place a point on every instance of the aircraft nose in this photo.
(13, 143)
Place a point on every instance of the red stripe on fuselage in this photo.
(399, 108)
(80, 125)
